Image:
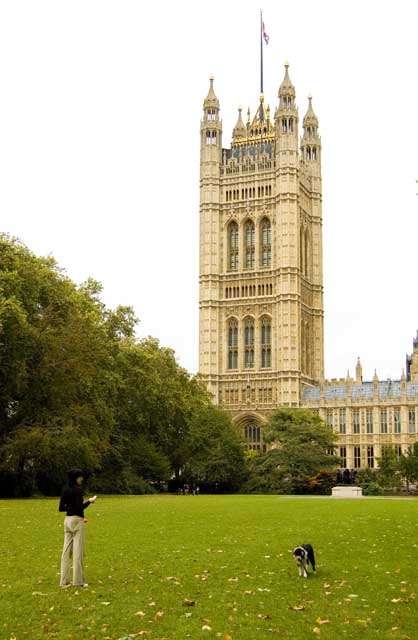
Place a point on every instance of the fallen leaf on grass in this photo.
(263, 616)
(319, 621)
(316, 630)
(106, 604)
(396, 600)
(141, 614)
(297, 608)
(159, 615)
(249, 593)
(363, 623)
(206, 627)
(188, 603)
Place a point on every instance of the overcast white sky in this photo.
(100, 107)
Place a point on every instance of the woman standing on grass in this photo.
(72, 502)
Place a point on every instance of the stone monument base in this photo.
(347, 492)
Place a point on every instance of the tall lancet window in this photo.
(233, 344)
(249, 343)
(265, 343)
(249, 245)
(233, 246)
(265, 243)
(306, 247)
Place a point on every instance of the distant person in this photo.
(72, 502)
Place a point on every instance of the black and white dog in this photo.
(304, 555)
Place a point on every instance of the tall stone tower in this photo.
(261, 285)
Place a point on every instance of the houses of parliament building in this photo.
(261, 332)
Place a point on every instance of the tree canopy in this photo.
(78, 389)
(302, 445)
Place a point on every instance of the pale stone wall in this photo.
(265, 173)
(278, 183)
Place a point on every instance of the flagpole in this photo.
(261, 52)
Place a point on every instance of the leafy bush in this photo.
(321, 483)
(372, 489)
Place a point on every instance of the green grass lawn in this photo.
(229, 555)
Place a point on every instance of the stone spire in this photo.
(286, 89)
(211, 101)
(359, 372)
(240, 130)
(310, 118)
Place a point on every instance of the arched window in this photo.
(302, 250)
(213, 137)
(265, 343)
(249, 245)
(306, 248)
(249, 343)
(233, 344)
(303, 351)
(265, 243)
(252, 435)
(233, 246)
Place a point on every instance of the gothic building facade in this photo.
(261, 335)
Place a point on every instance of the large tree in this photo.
(215, 456)
(408, 465)
(388, 472)
(56, 369)
(78, 389)
(302, 446)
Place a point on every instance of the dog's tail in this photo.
(311, 555)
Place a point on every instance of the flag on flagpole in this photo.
(265, 36)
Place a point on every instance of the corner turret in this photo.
(311, 142)
(211, 127)
(286, 116)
